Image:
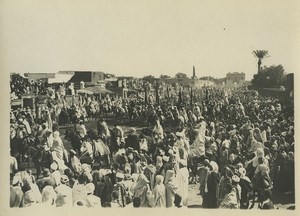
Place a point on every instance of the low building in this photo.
(39, 76)
(235, 78)
(88, 77)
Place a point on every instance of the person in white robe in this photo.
(183, 181)
(159, 193)
(92, 200)
(171, 188)
(58, 150)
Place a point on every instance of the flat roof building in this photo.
(235, 78)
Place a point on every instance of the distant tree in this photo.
(260, 54)
(162, 76)
(108, 75)
(207, 78)
(180, 75)
(289, 81)
(273, 76)
(149, 79)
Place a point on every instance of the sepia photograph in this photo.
(150, 104)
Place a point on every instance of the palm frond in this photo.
(261, 54)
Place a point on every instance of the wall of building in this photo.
(238, 78)
(67, 72)
(97, 76)
(40, 76)
(86, 76)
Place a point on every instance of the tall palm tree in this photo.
(260, 54)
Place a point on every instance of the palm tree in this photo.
(260, 54)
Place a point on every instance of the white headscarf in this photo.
(56, 176)
(48, 195)
(215, 167)
(159, 179)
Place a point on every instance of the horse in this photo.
(95, 151)
(260, 184)
(73, 114)
(162, 118)
(116, 140)
(135, 116)
(147, 132)
(74, 139)
(104, 132)
(91, 112)
(84, 114)
(151, 117)
(19, 144)
(63, 117)
(17, 148)
(40, 158)
(86, 153)
(101, 153)
(29, 148)
(120, 111)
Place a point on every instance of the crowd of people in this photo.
(234, 146)
(19, 87)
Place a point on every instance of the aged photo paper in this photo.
(168, 99)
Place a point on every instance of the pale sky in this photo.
(138, 37)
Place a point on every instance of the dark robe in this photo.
(212, 186)
(290, 172)
(246, 188)
(133, 141)
(103, 190)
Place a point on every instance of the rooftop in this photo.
(235, 73)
